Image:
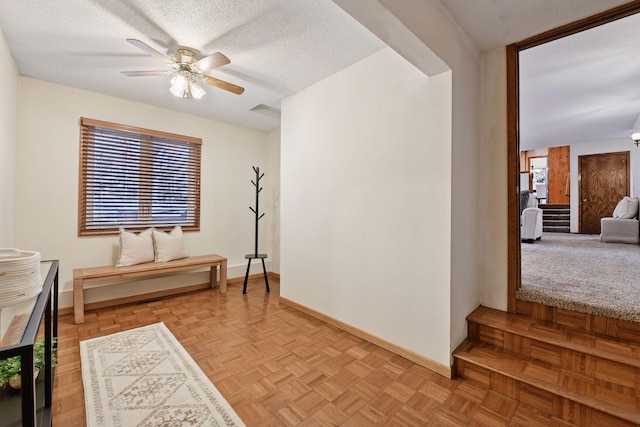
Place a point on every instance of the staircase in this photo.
(556, 218)
(566, 376)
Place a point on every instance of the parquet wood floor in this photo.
(279, 367)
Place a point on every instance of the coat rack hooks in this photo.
(258, 216)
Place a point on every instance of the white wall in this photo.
(8, 113)
(400, 24)
(433, 25)
(597, 147)
(492, 205)
(47, 182)
(272, 197)
(366, 197)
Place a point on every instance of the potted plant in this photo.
(10, 367)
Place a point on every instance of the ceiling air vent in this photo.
(266, 110)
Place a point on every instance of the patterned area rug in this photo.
(578, 272)
(144, 377)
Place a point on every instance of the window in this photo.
(136, 178)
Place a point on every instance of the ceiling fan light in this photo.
(178, 86)
(186, 71)
(195, 89)
(185, 86)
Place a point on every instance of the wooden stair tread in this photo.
(608, 348)
(554, 206)
(549, 378)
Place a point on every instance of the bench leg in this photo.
(223, 277)
(78, 301)
(213, 274)
(222, 285)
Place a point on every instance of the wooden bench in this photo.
(85, 276)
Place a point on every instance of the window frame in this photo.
(141, 134)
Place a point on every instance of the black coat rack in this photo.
(255, 254)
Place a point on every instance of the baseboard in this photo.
(256, 276)
(65, 310)
(432, 365)
(240, 279)
(138, 298)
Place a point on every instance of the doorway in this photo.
(513, 133)
(603, 180)
(539, 177)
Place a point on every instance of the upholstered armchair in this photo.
(530, 218)
(624, 226)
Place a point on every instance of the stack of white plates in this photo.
(19, 276)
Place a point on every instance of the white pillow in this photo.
(135, 248)
(627, 208)
(170, 245)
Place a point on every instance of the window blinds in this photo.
(137, 178)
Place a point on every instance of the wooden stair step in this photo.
(617, 402)
(554, 206)
(556, 221)
(602, 347)
(560, 211)
(556, 229)
(555, 224)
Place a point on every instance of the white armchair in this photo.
(623, 227)
(531, 221)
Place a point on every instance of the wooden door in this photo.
(603, 180)
(558, 189)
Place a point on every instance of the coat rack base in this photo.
(251, 257)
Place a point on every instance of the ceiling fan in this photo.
(187, 71)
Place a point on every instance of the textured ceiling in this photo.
(495, 23)
(276, 48)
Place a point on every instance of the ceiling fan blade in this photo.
(212, 61)
(146, 73)
(222, 84)
(150, 50)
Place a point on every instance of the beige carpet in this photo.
(580, 273)
(144, 377)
